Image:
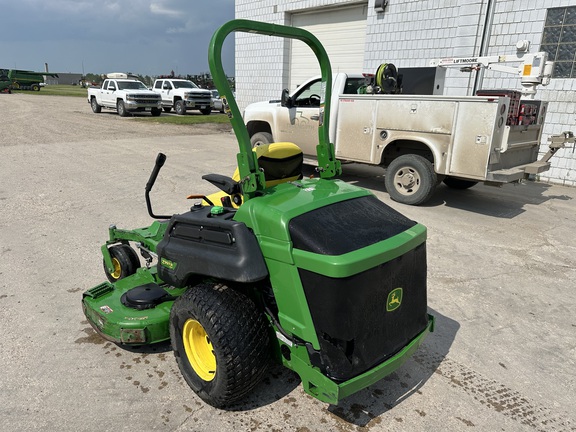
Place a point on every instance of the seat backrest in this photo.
(281, 162)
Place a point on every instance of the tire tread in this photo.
(239, 334)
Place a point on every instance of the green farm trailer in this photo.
(27, 80)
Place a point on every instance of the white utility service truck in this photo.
(421, 140)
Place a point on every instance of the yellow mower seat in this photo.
(281, 163)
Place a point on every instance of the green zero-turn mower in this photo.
(314, 273)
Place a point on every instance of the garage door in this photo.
(342, 31)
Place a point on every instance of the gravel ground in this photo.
(54, 119)
(501, 278)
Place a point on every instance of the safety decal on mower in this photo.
(106, 309)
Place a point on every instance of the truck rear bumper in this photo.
(517, 173)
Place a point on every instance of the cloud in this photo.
(191, 26)
(142, 36)
(159, 7)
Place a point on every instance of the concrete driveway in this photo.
(502, 279)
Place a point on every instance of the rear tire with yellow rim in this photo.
(221, 342)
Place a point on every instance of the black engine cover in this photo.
(199, 243)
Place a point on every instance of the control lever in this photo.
(160, 159)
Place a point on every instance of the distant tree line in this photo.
(203, 80)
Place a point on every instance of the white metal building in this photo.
(360, 35)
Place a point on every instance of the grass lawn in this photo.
(192, 117)
(57, 90)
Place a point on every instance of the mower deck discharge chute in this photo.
(314, 273)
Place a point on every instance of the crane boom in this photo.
(534, 69)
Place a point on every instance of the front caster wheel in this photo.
(220, 341)
(125, 262)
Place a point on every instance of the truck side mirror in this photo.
(286, 100)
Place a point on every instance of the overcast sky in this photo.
(148, 37)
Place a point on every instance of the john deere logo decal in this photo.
(394, 300)
(168, 264)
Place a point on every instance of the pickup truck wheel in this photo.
(179, 107)
(410, 179)
(456, 183)
(167, 109)
(96, 108)
(155, 112)
(206, 111)
(261, 138)
(220, 341)
(122, 112)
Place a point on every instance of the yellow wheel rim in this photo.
(199, 350)
(117, 269)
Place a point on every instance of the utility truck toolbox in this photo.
(313, 273)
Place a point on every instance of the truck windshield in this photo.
(131, 85)
(184, 84)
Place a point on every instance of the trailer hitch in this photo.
(557, 142)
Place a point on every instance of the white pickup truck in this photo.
(183, 95)
(421, 140)
(125, 95)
